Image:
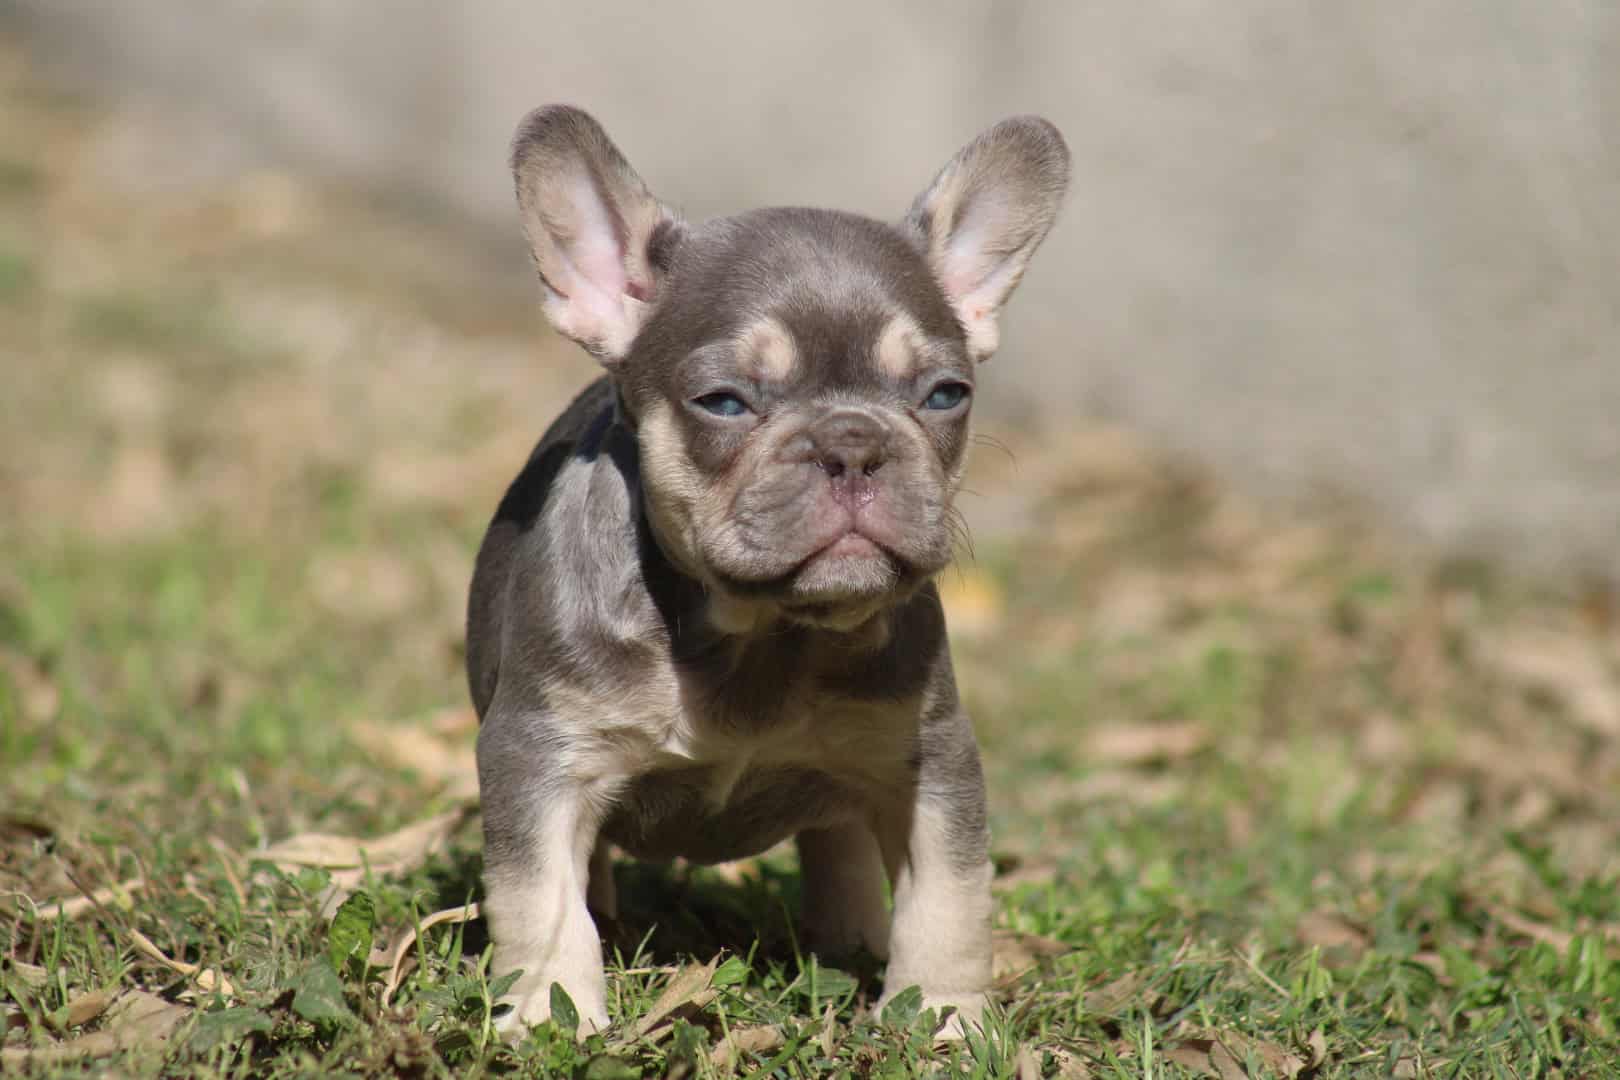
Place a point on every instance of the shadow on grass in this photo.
(669, 913)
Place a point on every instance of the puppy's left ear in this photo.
(600, 240)
(985, 214)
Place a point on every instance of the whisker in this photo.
(981, 439)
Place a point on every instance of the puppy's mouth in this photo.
(853, 544)
(850, 569)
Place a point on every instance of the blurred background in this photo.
(1366, 253)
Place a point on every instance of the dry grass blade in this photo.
(135, 1019)
(208, 981)
(392, 959)
(761, 1039)
(79, 906)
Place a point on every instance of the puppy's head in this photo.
(801, 380)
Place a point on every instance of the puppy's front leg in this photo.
(540, 827)
(937, 848)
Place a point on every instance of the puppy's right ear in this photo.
(600, 240)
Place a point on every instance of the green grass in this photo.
(1268, 795)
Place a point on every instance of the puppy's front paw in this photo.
(964, 1009)
(531, 1006)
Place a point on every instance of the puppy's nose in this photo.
(849, 441)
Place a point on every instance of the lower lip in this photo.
(851, 546)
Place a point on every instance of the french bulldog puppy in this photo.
(702, 620)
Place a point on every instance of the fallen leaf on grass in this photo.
(1569, 666)
(406, 848)
(1330, 930)
(1228, 1055)
(1014, 953)
(30, 975)
(451, 764)
(37, 694)
(84, 1008)
(1140, 744)
(1070, 1066)
(1015, 870)
(1109, 998)
(136, 1018)
(208, 981)
(351, 857)
(392, 960)
(688, 990)
(1550, 935)
(761, 1039)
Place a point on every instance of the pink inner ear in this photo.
(595, 255)
(968, 265)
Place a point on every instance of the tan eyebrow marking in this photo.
(898, 346)
(768, 350)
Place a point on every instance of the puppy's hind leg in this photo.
(842, 881)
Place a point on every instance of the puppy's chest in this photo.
(730, 778)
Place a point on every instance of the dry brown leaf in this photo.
(1138, 744)
(1330, 930)
(1317, 1045)
(1192, 1054)
(30, 975)
(1015, 953)
(136, 1018)
(404, 849)
(1110, 997)
(39, 698)
(350, 858)
(760, 1039)
(392, 959)
(1226, 1064)
(1568, 665)
(86, 1007)
(688, 989)
(451, 764)
(1015, 870)
(1070, 1067)
(208, 981)
(1276, 1058)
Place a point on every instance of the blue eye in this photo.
(946, 396)
(721, 403)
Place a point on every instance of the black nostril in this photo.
(831, 466)
(872, 466)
